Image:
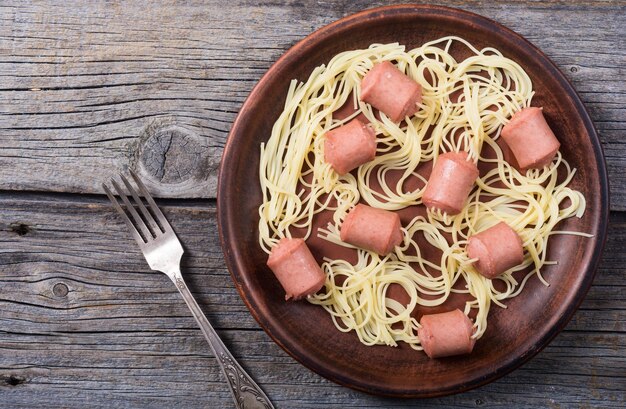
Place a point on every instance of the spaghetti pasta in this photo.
(464, 106)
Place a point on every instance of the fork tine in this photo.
(153, 206)
(138, 221)
(146, 214)
(128, 222)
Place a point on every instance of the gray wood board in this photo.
(84, 323)
(88, 90)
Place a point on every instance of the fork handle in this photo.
(246, 393)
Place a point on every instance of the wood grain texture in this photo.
(83, 87)
(122, 337)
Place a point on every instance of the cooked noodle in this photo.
(464, 107)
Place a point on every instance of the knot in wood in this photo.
(14, 380)
(172, 155)
(20, 229)
(60, 290)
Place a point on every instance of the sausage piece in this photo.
(446, 334)
(349, 146)
(373, 229)
(389, 90)
(450, 183)
(497, 249)
(507, 154)
(296, 268)
(530, 139)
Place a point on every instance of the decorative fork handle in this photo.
(246, 393)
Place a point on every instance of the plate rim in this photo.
(223, 191)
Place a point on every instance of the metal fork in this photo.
(163, 252)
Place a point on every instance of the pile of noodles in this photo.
(465, 105)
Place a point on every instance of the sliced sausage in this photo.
(373, 229)
(497, 249)
(349, 146)
(530, 139)
(507, 154)
(296, 268)
(450, 183)
(446, 334)
(389, 90)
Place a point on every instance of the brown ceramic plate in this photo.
(514, 334)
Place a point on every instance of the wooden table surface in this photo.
(90, 90)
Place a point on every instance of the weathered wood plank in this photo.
(119, 335)
(84, 88)
(173, 369)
